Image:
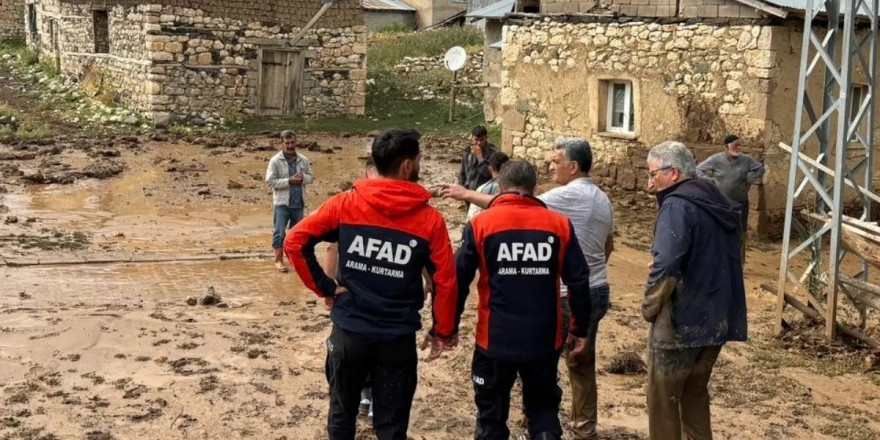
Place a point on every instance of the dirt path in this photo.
(101, 351)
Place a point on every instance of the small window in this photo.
(859, 93)
(32, 22)
(620, 108)
(101, 23)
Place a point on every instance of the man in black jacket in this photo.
(521, 249)
(475, 161)
(694, 298)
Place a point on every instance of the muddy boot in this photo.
(279, 261)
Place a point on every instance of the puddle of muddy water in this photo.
(237, 282)
(183, 197)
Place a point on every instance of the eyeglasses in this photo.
(653, 174)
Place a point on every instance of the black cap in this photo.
(731, 138)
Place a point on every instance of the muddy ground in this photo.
(103, 242)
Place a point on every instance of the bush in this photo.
(394, 28)
(29, 58)
(12, 44)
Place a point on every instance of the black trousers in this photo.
(493, 380)
(392, 367)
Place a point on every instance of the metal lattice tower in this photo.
(839, 50)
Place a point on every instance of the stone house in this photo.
(492, 18)
(435, 12)
(381, 14)
(690, 70)
(11, 19)
(208, 60)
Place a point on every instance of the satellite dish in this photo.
(455, 58)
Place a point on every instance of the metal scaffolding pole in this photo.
(842, 51)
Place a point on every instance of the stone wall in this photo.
(11, 18)
(171, 61)
(209, 65)
(655, 8)
(690, 82)
(471, 73)
(65, 37)
(283, 13)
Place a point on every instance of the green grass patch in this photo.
(388, 49)
(389, 104)
(25, 126)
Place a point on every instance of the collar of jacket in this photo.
(662, 195)
(280, 156)
(512, 198)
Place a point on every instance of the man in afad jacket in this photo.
(694, 297)
(521, 249)
(288, 174)
(386, 234)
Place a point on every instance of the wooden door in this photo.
(280, 73)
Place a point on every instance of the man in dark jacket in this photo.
(694, 298)
(475, 161)
(387, 233)
(521, 249)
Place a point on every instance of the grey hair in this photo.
(577, 150)
(518, 174)
(287, 134)
(674, 154)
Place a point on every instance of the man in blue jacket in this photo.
(694, 298)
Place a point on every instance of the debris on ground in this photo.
(212, 298)
(627, 361)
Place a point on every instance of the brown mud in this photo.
(116, 351)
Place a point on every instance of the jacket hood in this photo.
(391, 197)
(706, 196)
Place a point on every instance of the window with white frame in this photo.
(859, 93)
(620, 107)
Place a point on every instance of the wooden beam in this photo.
(867, 293)
(830, 172)
(308, 26)
(844, 329)
(865, 248)
(761, 6)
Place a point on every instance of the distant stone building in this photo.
(208, 59)
(435, 12)
(690, 70)
(384, 14)
(11, 19)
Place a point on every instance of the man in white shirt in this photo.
(591, 214)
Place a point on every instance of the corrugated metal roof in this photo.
(386, 5)
(801, 5)
(496, 10)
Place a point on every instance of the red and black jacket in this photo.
(387, 233)
(522, 249)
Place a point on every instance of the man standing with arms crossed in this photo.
(386, 234)
(288, 174)
(591, 214)
(521, 250)
(695, 298)
(734, 173)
